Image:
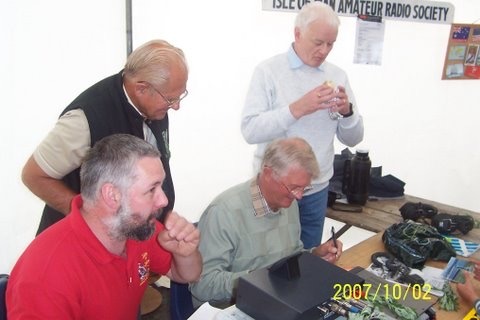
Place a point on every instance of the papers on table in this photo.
(207, 312)
(462, 247)
(455, 268)
(432, 277)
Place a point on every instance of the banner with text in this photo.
(410, 10)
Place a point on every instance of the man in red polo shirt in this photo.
(94, 264)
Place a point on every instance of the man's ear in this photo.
(111, 195)
(267, 172)
(296, 33)
(141, 87)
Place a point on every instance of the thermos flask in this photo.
(356, 177)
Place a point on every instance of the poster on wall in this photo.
(462, 59)
(369, 40)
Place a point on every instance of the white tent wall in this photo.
(419, 128)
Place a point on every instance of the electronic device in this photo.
(297, 287)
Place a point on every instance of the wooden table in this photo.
(376, 217)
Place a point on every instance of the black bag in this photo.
(415, 211)
(449, 223)
(413, 243)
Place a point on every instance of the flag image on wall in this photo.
(462, 247)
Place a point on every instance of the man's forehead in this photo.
(151, 166)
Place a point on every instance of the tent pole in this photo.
(128, 5)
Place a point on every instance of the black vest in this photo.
(108, 112)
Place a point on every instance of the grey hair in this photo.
(283, 154)
(153, 61)
(113, 160)
(316, 11)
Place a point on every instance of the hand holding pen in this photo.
(330, 250)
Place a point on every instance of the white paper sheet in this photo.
(207, 312)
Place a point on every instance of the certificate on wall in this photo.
(462, 60)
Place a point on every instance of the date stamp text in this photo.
(393, 291)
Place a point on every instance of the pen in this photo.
(334, 237)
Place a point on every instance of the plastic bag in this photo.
(413, 243)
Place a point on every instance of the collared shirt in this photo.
(260, 205)
(68, 264)
(295, 62)
(147, 132)
(239, 235)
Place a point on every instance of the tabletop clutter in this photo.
(425, 233)
(399, 276)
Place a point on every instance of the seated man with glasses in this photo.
(134, 101)
(256, 223)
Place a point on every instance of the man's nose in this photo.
(161, 199)
(175, 106)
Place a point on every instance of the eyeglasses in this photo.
(169, 101)
(298, 191)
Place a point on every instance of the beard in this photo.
(129, 225)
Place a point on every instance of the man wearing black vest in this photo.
(134, 101)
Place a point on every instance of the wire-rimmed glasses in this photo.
(298, 191)
(169, 101)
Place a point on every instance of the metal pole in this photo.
(128, 5)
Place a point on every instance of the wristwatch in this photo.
(349, 112)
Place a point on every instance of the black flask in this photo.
(356, 178)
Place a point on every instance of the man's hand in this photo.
(328, 251)
(179, 236)
(466, 290)
(321, 97)
(342, 102)
(476, 271)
